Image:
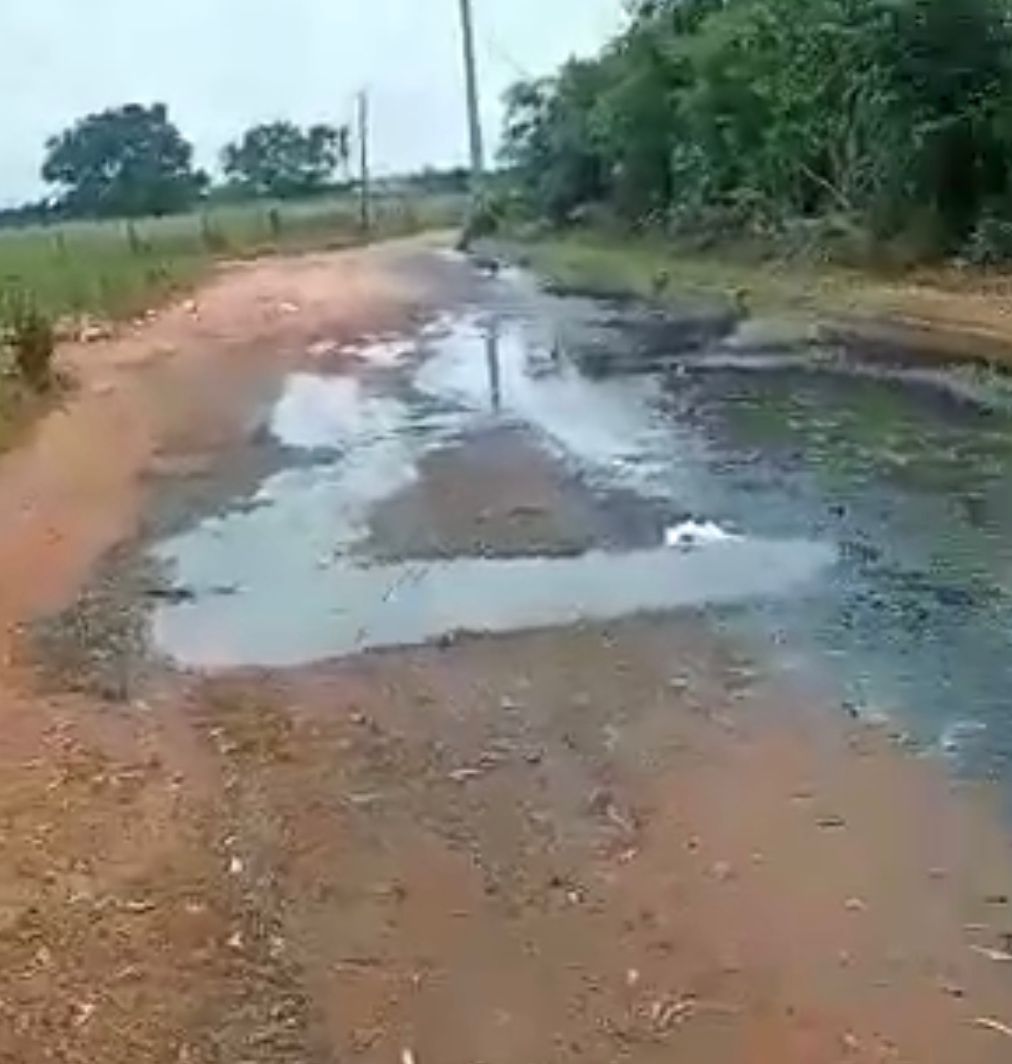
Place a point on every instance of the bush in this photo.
(31, 338)
(990, 243)
(484, 219)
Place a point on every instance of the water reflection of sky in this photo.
(909, 480)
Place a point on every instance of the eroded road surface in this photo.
(404, 663)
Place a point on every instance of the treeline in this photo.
(885, 121)
(133, 160)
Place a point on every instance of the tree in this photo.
(128, 161)
(892, 116)
(550, 139)
(280, 159)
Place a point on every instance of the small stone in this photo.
(464, 775)
(85, 1011)
(235, 866)
(999, 956)
(986, 1023)
(139, 906)
(722, 871)
(632, 977)
(601, 801)
(855, 905)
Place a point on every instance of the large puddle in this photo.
(875, 513)
(285, 578)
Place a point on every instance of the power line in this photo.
(498, 49)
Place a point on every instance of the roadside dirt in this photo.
(599, 844)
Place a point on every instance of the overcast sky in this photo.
(224, 64)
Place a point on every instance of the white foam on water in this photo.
(690, 534)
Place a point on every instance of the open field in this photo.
(115, 268)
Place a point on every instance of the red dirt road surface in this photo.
(595, 843)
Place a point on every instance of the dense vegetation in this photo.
(884, 122)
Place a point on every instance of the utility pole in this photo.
(473, 106)
(365, 205)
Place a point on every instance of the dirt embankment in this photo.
(590, 844)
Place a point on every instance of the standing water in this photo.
(864, 519)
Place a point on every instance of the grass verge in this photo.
(949, 313)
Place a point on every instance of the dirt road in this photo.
(227, 838)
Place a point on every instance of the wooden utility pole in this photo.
(473, 104)
(365, 204)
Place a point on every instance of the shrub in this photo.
(990, 243)
(30, 336)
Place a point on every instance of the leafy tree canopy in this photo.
(280, 159)
(126, 161)
(889, 112)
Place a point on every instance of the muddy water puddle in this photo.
(872, 510)
(298, 614)
(288, 576)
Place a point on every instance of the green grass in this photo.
(943, 313)
(629, 266)
(116, 269)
